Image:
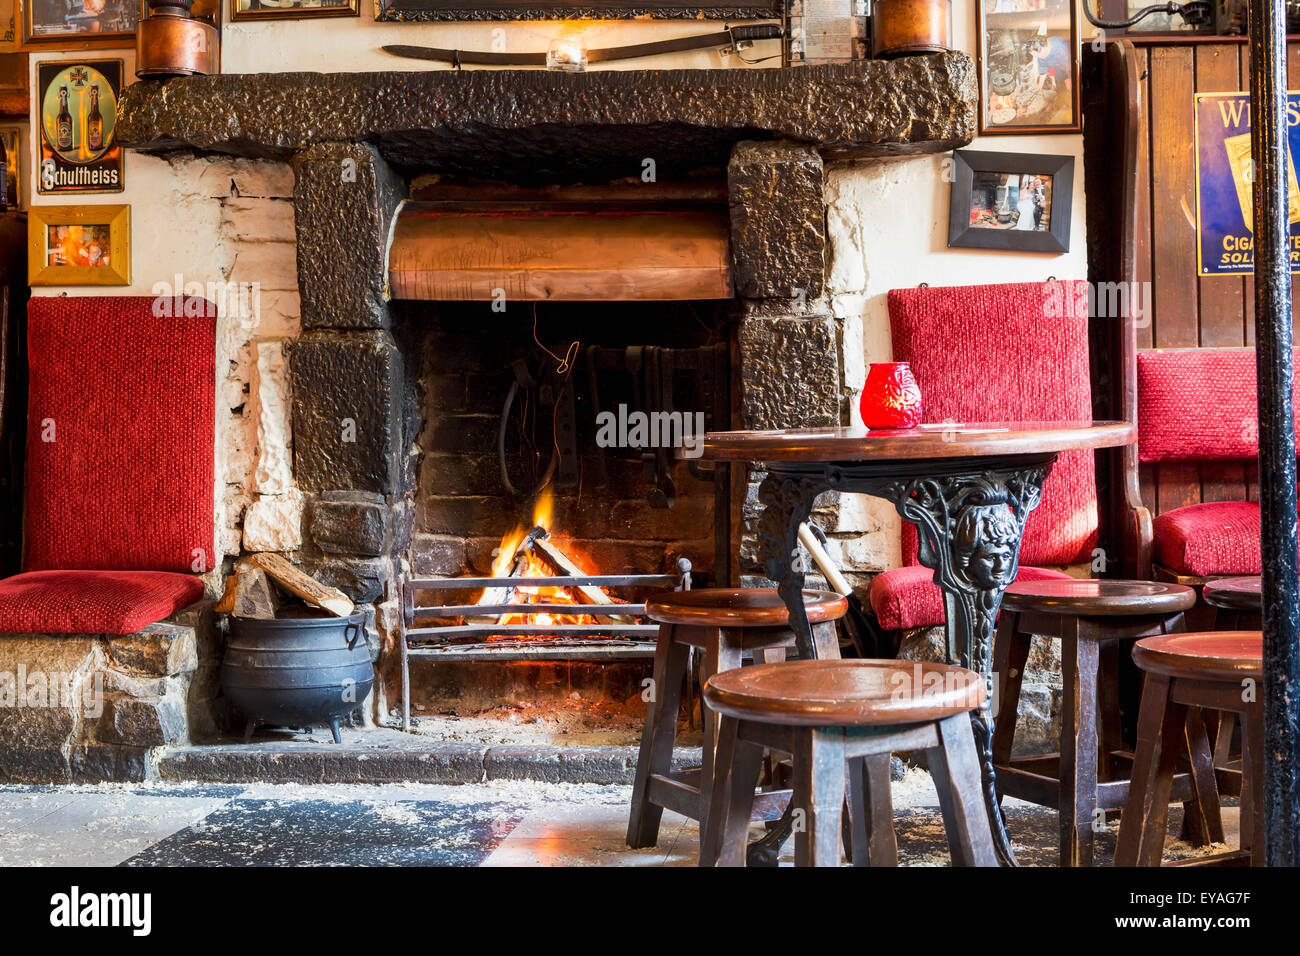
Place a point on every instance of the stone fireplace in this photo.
(395, 403)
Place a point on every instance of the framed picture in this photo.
(79, 245)
(76, 108)
(11, 141)
(292, 9)
(1013, 201)
(1028, 53)
(9, 42)
(75, 24)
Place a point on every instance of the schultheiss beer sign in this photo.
(78, 111)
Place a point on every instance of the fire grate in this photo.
(617, 630)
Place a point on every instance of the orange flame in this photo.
(543, 515)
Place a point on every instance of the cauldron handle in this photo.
(354, 629)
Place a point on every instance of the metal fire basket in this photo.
(616, 633)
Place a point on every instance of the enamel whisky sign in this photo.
(77, 110)
(1225, 176)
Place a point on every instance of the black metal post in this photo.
(1277, 470)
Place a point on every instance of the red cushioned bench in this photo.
(1015, 352)
(119, 507)
(1194, 405)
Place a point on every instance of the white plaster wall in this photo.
(888, 227)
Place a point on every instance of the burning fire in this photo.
(518, 558)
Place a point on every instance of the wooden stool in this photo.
(725, 623)
(1088, 777)
(1237, 602)
(829, 714)
(1184, 673)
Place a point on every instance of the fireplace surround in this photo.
(359, 144)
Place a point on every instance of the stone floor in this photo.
(499, 823)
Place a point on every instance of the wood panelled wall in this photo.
(1187, 311)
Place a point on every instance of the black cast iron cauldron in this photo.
(297, 671)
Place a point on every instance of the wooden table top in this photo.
(962, 440)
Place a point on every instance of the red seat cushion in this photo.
(1015, 352)
(1219, 537)
(1198, 404)
(92, 602)
(121, 425)
(908, 597)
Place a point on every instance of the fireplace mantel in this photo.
(538, 125)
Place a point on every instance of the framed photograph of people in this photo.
(79, 245)
(292, 9)
(75, 24)
(1012, 201)
(1028, 65)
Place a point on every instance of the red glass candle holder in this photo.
(891, 398)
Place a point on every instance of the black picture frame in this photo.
(434, 11)
(968, 162)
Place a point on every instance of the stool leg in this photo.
(722, 654)
(1253, 834)
(656, 757)
(1146, 814)
(1110, 730)
(715, 816)
(871, 812)
(955, 768)
(1223, 738)
(1078, 773)
(1010, 652)
(1203, 823)
(732, 802)
(819, 794)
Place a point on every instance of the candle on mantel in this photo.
(568, 54)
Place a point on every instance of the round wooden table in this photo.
(967, 487)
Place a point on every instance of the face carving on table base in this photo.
(984, 544)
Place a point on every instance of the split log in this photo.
(562, 563)
(503, 595)
(248, 593)
(298, 582)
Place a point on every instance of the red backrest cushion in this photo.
(120, 431)
(1198, 404)
(1015, 352)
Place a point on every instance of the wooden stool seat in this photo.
(1244, 593)
(739, 607)
(845, 693)
(1093, 619)
(725, 624)
(1185, 675)
(841, 719)
(1218, 655)
(1098, 597)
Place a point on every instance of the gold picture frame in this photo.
(11, 142)
(60, 240)
(292, 9)
(113, 25)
